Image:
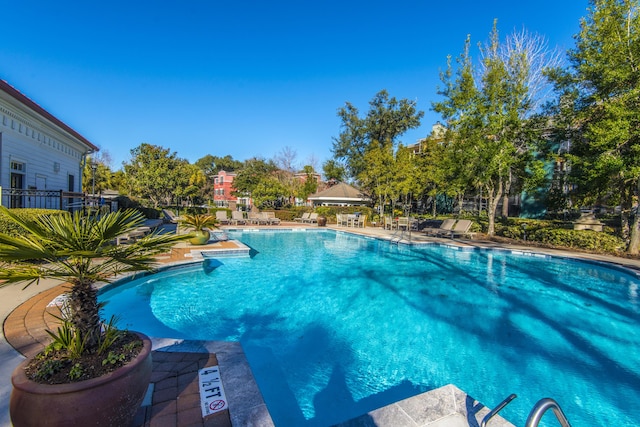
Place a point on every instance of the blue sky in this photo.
(245, 78)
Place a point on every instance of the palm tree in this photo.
(80, 250)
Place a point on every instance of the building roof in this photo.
(341, 191)
(23, 99)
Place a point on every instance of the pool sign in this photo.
(212, 398)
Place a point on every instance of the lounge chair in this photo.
(222, 218)
(304, 216)
(461, 228)
(237, 218)
(271, 218)
(445, 226)
(170, 216)
(313, 218)
(218, 236)
(255, 218)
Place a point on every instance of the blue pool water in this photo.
(334, 325)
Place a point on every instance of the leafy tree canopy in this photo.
(386, 120)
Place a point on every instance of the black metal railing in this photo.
(44, 199)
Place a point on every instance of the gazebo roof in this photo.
(341, 191)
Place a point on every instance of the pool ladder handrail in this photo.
(497, 409)
(543, 406)
(539, 409)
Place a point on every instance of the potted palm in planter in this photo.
(199, 223)
(92, 373)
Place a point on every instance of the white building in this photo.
(41, 158)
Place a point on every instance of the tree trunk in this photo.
(85, 312)
(634, 241)
(505, 197)
(493, 196)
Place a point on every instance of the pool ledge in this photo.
(447, 406)
(246, 405)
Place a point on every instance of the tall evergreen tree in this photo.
(598, 107)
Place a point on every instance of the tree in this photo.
(192, 183)
(487, 120)
(526, 56)
(310, 184)
(333, 170)
(154, 174)
(286, 158)
(378, 177)
(211, 165)
(269, 193)
(253, 171)
(598, 107)
(385, 122)
(99, 179)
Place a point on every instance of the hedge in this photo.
(8, 227)
(579, 239)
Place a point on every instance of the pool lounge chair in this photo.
(255, 218)
(271, 218)
(445, 227)
(222, 218)
(237, 218)
(170, 216)
(304, 216)
(313, 218)
(461, 228)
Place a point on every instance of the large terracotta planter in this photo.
(201, 237)
(110, 400)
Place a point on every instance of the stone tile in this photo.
(430, 406)
(187, 366)
(184, 379)
(168, 420)
(191, 416)
(160, 375)
(166, 395)
(188, 401)
(191, 388)
(166, 383)
(220, 419)
(164, 408)
(454, 420)
(257, 416)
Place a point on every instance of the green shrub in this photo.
(10, 228)
(579, 239)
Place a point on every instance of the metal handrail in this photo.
(543, 406)
(497, 409)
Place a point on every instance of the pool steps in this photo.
(241, 250)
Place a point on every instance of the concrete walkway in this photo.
(174, 369)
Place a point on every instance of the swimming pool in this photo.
(334, 325)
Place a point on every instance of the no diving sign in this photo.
(212, 398)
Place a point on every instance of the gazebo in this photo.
(341, 194)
